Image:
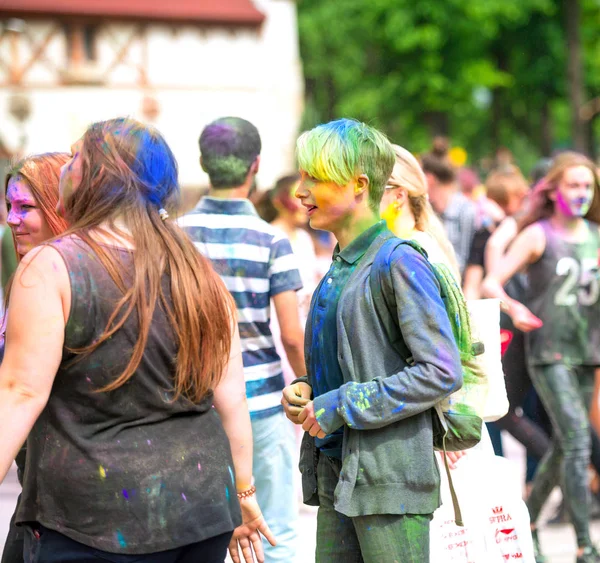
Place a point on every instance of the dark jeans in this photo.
(379, 538)
(47, 546)
(532, 427)
(518, 386)
(566, 392)
(13, 548)
(534, 410)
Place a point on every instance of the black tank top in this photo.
(564, 291)
(131, 470)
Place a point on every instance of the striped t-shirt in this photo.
(256, 262)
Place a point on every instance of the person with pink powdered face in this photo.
(559, 246)
(31, 188)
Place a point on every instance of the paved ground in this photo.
(558, 540)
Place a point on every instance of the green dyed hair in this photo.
(229, 146)
(344, 149)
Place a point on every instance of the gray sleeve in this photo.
(436, 371)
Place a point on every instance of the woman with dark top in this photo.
(559, 244)
(120, 341)
(507, 187)
(31, 189)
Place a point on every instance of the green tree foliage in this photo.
(488, 73)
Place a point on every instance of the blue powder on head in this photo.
(156, 167)
(121, 539)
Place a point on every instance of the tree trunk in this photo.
(546, 130)
(437, 122)
(593, 148)
(498, 102)
(496, 118)
(574, 74)
(331, 98)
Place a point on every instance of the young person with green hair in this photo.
(367, 457)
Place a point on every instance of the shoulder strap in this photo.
(378, 280)
(450, 292)
(458, 312)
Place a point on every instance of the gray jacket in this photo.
(384, 405)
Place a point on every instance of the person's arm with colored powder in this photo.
(231, 404)
(527, 248)
(498, 243)
(39, 304)
(292, 333)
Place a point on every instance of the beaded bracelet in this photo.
(247, 493)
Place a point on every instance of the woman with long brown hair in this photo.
(31, 191)
(131, 342)
(559, 246)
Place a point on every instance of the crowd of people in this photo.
(152, 360)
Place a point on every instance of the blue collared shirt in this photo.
(324, 367)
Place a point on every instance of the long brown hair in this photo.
(42, 174)
(128, 174)
(542, 207)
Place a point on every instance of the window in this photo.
(81, 54)
(81, 43)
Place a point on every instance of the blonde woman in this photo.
(405, 207)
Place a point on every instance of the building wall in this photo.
(194, 74)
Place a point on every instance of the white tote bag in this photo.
(485, 326)
(496, 520)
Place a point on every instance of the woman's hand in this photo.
(295, 398)
(453, 458)
(523, 318)
(248, 534)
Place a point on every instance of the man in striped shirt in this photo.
(256, 262)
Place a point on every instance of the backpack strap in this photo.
(378, 279)
(385, 312)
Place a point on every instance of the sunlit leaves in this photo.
(395, 63)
